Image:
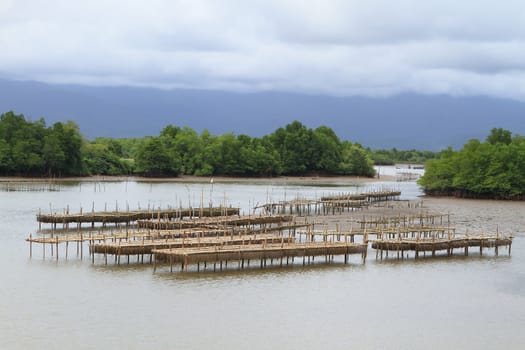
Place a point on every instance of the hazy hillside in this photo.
(404, 121)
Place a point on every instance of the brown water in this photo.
(461, 302)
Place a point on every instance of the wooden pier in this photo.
(243, 254)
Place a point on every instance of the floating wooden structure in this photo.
(29, 186)
(129, 216)
(384, 195)
(259, 252)
(53, 240)
(293, 207)
(218, 235)
(344, 204)
(222, 221)
(405, 220)
(406, 176)
(305, 207)
(125, 235)
(145, 246)
(434, 245)
(383, 232)
(345, 197)
(330, 204)
(380, 195)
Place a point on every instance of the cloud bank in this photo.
(335, 47)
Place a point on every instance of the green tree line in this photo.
(33, 149)
(393, 156)
(491, 169)
(292, 150)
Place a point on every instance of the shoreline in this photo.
(307, 180)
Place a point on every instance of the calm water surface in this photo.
(467, 303)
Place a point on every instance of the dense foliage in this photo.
(394, 156)
(31, 148)
(292, 150)
(105, 156)
(491, 169)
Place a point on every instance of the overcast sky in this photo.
(346, 47)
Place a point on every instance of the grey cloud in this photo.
(335, 47)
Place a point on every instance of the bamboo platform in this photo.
(345, 197)
(219, 221)
(261, 252)
(382, 195)
(53, 240)
(385, 195)
(345, 203)
(296, 206)
(434, 245)
(29, 186)
(133, 215)
(330, 204)
(307, 207)
(407, 176)
(404, 220)
(146, 246)
(129, 235)
(418, 232)
(218, 235)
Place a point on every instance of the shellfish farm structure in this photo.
(128, 217)
(199, 238)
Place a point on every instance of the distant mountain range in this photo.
(404, 121)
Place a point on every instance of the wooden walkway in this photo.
(259, 252)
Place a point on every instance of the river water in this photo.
(447, 303)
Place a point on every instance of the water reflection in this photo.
(291, 271)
